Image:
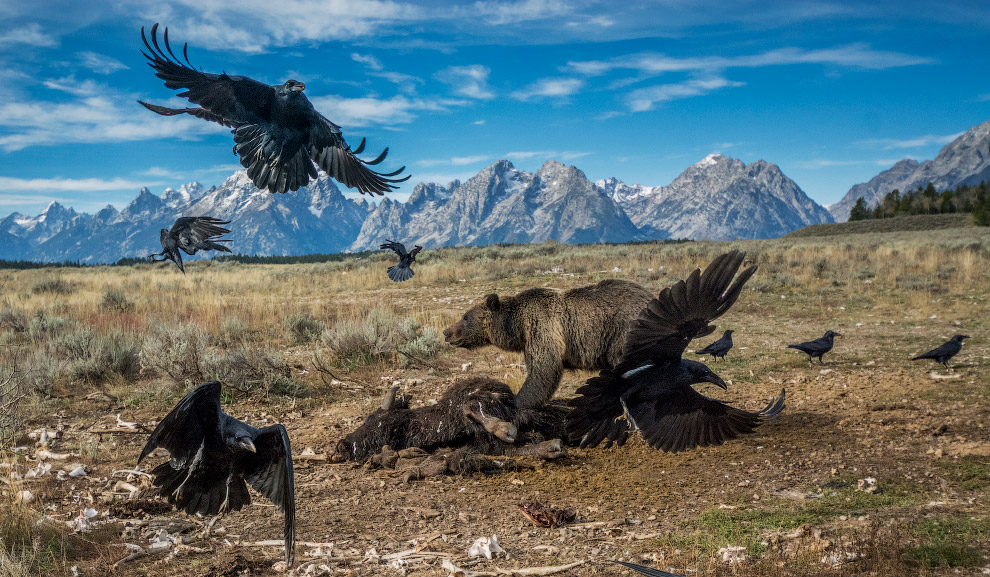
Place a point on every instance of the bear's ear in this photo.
(491, 301)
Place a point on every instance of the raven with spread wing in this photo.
(402, 271)
(650, 389)
(945, 352)
(277, 132)
(213, 457)
(191, 234)
(817, 347)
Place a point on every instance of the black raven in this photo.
(817, 347)
(646, 570)
(212, 455)
(946, 351)
(277, 132)
(402, 271)
(719, 348)
(191, 234)
(650, 388)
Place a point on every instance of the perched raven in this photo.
(277, 132)
(402, 271)
(817, 347)
(650, 388)
(212, 455)
(646, 570)
(946, 351)
(719, 348)
(191, 234)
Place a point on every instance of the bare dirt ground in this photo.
(878, 465)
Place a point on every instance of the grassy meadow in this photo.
(314, 346)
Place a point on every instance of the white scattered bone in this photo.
(131, 473)
(40, 470)
(867, 485)
(733, 554)
(46, 455)
(124, 486)
(80, 471)
(125, 424)
(487, 546)
(25, 496)
(465, 367)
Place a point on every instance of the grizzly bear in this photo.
(583, 328)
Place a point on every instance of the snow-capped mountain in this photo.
(717, 198)
(965, 160)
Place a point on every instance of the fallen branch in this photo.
(456, 571)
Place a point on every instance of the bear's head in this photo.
(474, 328)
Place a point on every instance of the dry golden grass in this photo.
(70, 332)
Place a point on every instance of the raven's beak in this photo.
(247, 445)
(298, 87)
(837, 334)
(716, 380)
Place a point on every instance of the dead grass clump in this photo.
(11, 392)
(53, 285)
(29, 545)
(774, 282)
(115, 301)
(249, 370)
(176, 351)
(380, 333)
(13, 319)
(233, 330)
(303, 328)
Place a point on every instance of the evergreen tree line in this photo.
(963, 199)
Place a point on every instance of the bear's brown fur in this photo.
(583, 328)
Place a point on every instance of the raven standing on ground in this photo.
(719, 348)
(191, 234)
(277, 132)
(946, 351)
(212, 455)
(402, 271)
(650, 389)
(817, 347)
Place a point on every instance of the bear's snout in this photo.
(447, 333)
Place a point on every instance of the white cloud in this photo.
(916, 142)
(644, 99)
(399, 109)
(478, 122)
(455, 161)
(550, 88)
(30, 34)
(567, 155)
(470, 81)
(499, 13)
(852, 55)
(368, 60)
(100, 63)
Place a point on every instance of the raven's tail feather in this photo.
(400, 273)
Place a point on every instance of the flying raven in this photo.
(650, 388)
(191, 234)
(817, 347)
(212, 455)
(946, 351)
(402, 271)
(277, 132)
(649, 572)
(719, 348)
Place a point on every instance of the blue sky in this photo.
(833, 92)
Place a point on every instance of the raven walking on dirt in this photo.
(719, 348)
(945, 352)
(191, 234)
(817, 347)
(277, 132)
(401, 272)
(213, 457)
(650, 389)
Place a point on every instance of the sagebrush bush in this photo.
(53, 285)
(176, 351)
(115, 301)
(250, 369)
(43, 325)
(303, 328)
(232, 331)
(380, 333)
(13, 319)
(96, 357)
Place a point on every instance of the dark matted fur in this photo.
(582, 328)
(444, 425)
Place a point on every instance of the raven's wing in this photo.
(678, 419)
(191, 232)
(682, 312)
(397, 247)
(269, 471)
(229, 100)
(715, 347)
(649, 572)
(415, 251)
(183, 431)
(597, 414)
(327, 148)
(946, 349)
